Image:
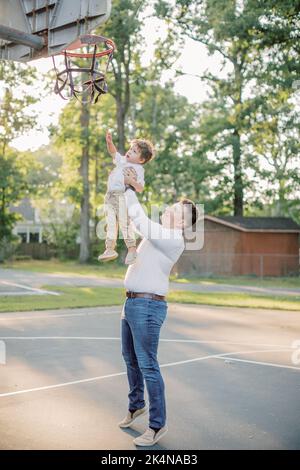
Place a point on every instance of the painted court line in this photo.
(63, 315)
(170, 364)
(165, 340)
(16, 294)
(33, 289)
(270, 364)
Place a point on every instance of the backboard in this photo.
(31, 29)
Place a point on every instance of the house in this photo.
(259, 246)
(29, 228)
(32, 230)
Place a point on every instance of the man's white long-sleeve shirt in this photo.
(156, 254)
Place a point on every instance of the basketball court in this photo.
(232, 379)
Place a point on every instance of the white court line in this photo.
(170, 364)
(270, 364)
(58, 337)
(196, 359)
(34, 289)
(14, 294)
(33, 317)
(188, 341)
(65, 384)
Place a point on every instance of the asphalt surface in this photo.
(232, 379)
(18, 282)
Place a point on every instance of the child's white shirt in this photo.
(116, 177)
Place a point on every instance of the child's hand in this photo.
(110, 146)
(108, 138)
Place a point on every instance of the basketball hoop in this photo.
(81, 81)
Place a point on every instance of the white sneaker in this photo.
(108, 255)
(131, 257)
(130, 417)
(150, 437)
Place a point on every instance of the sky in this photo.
(194, 60)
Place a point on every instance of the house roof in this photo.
(25, 209)
(257, 224)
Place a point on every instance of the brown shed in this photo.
(261, 246)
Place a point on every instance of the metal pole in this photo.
(19, 37)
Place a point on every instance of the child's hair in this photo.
(146, 148)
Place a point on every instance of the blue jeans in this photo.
(141, 322)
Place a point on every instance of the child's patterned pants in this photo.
(117, 216)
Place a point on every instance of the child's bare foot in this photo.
(108, 255)
(131, 255)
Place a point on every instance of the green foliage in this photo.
(15, 119)
(8, 246)
(243, 119)
(14, 186)
(61, 224)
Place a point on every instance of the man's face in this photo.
(134, 155)
(173, 216)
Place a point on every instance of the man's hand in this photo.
(130, 178)
(110, 146)
(130, 172)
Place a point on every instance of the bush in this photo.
(62, 238)
(8, 247)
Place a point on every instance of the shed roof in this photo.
(257, 224)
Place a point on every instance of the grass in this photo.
(232, 299)
(55, 266)
(283, 282)
(71, 297)
(117, 271)
(76, 297)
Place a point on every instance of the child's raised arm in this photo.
(110, 146)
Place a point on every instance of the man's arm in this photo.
(162, 237)
(137, 186)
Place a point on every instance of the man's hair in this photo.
(146, 149)
(194, 212)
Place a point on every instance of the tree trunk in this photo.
(85, 199)
(121, 126)
(282, 193)
(238, 177)
(96, 192)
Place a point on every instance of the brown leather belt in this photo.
(145, 295)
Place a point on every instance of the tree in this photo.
(80, 140)
(15, 119)
(275, 140)
(241, 33)
(172, 124)
(124, 27)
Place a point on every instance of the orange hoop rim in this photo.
(97, 39)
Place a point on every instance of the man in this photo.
(145, 309)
